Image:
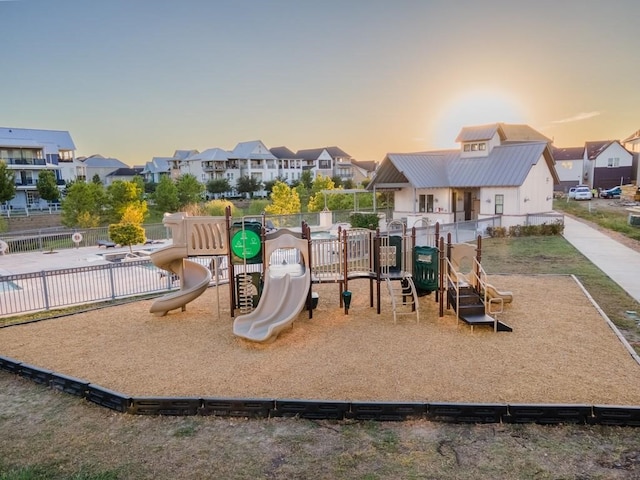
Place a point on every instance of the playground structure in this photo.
(271, 276)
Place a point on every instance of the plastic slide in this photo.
(194, 278)
(493, 292)
(284, 295)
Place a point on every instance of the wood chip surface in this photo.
(562, 350)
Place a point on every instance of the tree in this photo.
(126, 234)
(216, 186)
(7, 183)
(84, 205)
(96, 179)
(189, 189)
(284, 200)
(120, 195)
(247, 184)
(306, 179)
(47, 186)
(317, 198)
(166, 195)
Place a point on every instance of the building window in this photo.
(429, 203)
(613, 162)
(499, 203)
(422, 203)
(475, 147)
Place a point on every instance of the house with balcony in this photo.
(252, 159)
(499, 170)
(329, 162)
(27, 152)
(290, 166)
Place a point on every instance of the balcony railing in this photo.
(25, 161)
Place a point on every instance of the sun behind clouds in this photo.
(476, 107)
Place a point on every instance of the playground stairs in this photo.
(472, 310)
(404, 297)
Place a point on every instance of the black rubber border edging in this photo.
(546, 414)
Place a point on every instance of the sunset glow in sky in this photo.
(134, 79)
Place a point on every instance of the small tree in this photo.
(166, 195)
(126, 234)
(189, 189)
(96, 179)
(247, 184)
(284, 200)
(129, 231)
(122, 194)
(47, 186)
(7, 183)
(216, 186)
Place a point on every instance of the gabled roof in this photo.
(251, 150)
(98, 161)
(158, 165)
(183, 154)
(314, 153)
(596, 148)
(125, 172)
(210, 154)
(282, 152)
(60, 139)
(633, 137)
(504, 166)
(477, 133)
(570, 153)
(508, 132)
(366, 165)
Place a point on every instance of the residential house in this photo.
(290, 165)
(210, 164)
(157, 168)
(607, 164)
(178, 163)
(125, 174)
(27, 152)
(363, 170)
(499, 170)
(569, 166)
(632, 144)
(329, 162)
(89, 167)
(252, 159)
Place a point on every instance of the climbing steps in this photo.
(404, 297)
(470, 307)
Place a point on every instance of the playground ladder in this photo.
(404, 298)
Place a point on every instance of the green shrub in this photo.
(364, 220)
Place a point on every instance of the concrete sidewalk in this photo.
(616, 260)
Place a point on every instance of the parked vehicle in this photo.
(614, 192)
(583, 193)
(572, 190)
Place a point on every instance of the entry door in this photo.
(468, 205)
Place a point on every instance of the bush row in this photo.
(544, 229)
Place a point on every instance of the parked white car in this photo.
(583, 193)
(572, 190)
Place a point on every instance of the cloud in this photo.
(578, 117)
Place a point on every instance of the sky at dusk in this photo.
(136, 79)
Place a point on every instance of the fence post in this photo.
(45, 290)
(112, 282)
